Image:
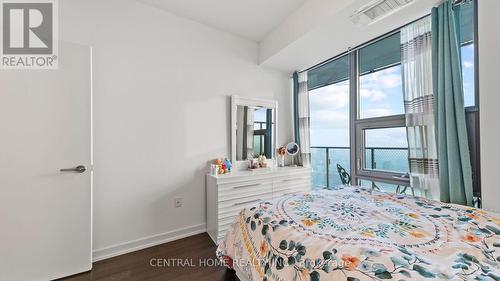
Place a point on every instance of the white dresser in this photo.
(228, 194)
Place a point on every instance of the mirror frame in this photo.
(243, 101)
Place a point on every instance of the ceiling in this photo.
(293, 34)
(249, 19)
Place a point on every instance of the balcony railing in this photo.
(325, 160)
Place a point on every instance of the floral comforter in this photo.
(359, 234)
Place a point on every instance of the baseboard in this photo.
(146, 242)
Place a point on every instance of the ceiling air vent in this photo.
(376, 10)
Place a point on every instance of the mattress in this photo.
(353, 233)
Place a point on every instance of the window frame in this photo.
(473, 112)
(329, 170)
(474, 107)
(358, 126)
(394, 121)
(261, 133)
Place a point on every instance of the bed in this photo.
(352, 233)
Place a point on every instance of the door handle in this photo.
(78, 169)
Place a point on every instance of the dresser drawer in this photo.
(228, 210)
(243, 185)
(228, 195)
(238, 204)
(231, 209)
(291, 184)
(244, 191)
(223, 223)
(224, 227)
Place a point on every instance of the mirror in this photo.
(292, 149)
(254, 132)
(253, 128)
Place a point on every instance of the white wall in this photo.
(161, 87)
(489, 61)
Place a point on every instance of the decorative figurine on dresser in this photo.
(255, 174)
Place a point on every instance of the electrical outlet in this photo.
(178, 202)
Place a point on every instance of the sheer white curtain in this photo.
(304, 121)
(416, 60)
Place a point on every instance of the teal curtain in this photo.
(455, 176)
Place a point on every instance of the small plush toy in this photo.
(262, 160)
(281, 156)
(228, 165)
(282, 151)
(218, 163)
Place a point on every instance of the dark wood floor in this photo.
(198, 251)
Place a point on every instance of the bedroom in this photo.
(146, 94)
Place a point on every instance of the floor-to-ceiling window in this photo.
(379, 123)
(329, 110)
(357, 112)
(467, 15)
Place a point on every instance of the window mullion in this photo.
(353, 113)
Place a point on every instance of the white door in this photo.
(45, 126)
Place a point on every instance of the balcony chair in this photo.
(346, 179)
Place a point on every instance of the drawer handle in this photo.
(248, 185)
(296, 179)
(246, 202)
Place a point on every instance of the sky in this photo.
(260, 115)
(380, 95)
(468, 73)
